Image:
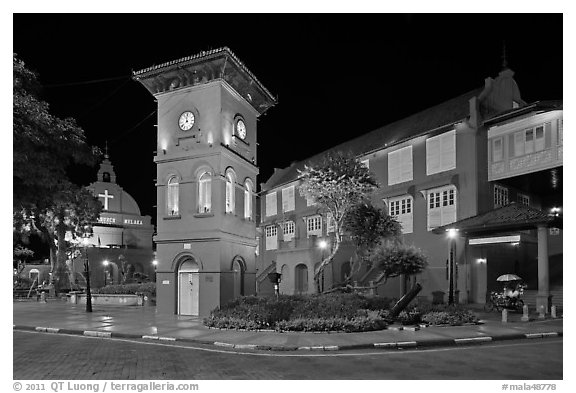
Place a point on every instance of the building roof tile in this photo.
(515, 216)
(442, 115)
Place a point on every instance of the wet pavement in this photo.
(143, 322)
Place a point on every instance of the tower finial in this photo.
(504, 59)
(106, 150)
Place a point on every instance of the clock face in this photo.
(186, 121)
(241, 129)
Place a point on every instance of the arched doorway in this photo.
(238, 269)
(188, 287)
(301, 279)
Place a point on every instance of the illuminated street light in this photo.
(105, 263)
(87, 272)
(323, 244)
(452, 233)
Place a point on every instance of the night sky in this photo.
(335, 76)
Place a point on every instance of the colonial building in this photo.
(120, 248)
(208, 105)
(455, 160)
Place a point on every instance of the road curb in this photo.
(393, 345)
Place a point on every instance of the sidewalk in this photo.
(142, 322)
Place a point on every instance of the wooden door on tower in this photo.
(188, 288)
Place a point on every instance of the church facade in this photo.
(208, 106)
(120, 249)
(450, 162)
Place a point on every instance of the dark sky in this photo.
(336, 76)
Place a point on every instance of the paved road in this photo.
(76, 357)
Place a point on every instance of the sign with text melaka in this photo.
(128, 221)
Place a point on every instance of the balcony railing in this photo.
(526, 164)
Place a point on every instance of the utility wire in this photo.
(124, 133)
(84, 82)
(104, 99)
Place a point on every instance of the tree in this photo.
(337, 184)
(45, 201)
(394, 259)
(367, 226)
(44, 146)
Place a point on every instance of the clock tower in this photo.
(208, 106)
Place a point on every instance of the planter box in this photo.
(108, 300)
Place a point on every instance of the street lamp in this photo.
(87, 272)
(323, 244)
(105, 263)
(452, 233)
(155, 263)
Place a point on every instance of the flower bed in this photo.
(437, 314)
(127, 289)
(332, 312)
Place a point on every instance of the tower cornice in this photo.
(205, 67)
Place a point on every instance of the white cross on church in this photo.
(106, 197)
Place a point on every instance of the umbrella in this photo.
(508, 277)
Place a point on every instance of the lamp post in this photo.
(105, 263)
(87, 272)
(452, 233)
(155, 263)
(323, 244)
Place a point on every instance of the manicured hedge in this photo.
(450, 317)
(337, 311)
(437, 314)
(128, 289)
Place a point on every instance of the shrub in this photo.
(127, 289)
(302, 313)
(453, 317)
(410, 317)
(358, 324)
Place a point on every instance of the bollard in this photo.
(542, 313)
(504, 316)
(43, 297)
(525, 317)
(553, 311)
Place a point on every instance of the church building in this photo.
(208, 106)
(120, 249)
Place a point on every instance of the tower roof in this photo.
(205, 67)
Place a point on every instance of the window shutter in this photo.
(406, 163)
(434, 218)
(330, 227)
(394, 167)
(288, 230)
(229, 191)
(271, 204)
(539, 138)
(448, 214)
(288, 199)
(519, 144)
(271, 237)
(497, 150)
(432, 155)
(247, 203)
(448, 151)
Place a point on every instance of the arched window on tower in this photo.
(172, 192)
(106, 177)
(230, 191)
(205, 193)
(248, 199)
